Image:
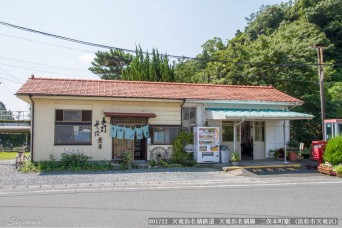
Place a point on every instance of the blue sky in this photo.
(177, 27)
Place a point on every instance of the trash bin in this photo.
(317, 152)
(224, 152)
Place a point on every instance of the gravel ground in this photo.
(9, 176)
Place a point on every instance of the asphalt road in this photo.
(132, 205)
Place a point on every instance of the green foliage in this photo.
(70, 160)
(109, 65)
(163, 163)
(278, 34)
(149, 68)
(73, 162)
(235, 157)
(127, 161)
(293, 145)
(28, 166)
(338, 168)
(333, 151)
(335, 93)
(266, 21)
(10, 155)
(153, 163)
(179, 155)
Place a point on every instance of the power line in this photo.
(10, 79)
(3, 83)
(26, 68)
(7, 73)
(44, 65)
(55, 45)
(169, 55)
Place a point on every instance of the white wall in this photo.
(274, 138)
(168, 113)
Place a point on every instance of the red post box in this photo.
(317, 150)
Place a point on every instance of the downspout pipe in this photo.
(32, 126)
(184, 100)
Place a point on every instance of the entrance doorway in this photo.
(246, 140)
(253, 140)
(137, 148)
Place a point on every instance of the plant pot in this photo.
(339, 175)
(235, 163)
(293, 156)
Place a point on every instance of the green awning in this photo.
(255, 114)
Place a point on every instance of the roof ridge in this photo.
(149, 82)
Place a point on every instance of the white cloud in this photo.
(87, 58)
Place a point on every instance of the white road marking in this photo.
(95, 188)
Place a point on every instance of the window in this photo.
(228, 132)
(73, 127)
(189, 118)
(164, 135)
(259, 131)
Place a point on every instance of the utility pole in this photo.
(321, 85)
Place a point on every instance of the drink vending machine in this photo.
(207, 144)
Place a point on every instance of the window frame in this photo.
(189, 126)
(82, 123)
(259, 131)
(179, 127)
(230, 124)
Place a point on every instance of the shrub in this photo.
(28, 166)
(338, 168)
(127, 161)
(73, 162)
(333, 151)
(235, 157)
(179, 155)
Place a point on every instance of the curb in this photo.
(230, 168)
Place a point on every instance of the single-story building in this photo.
(105, 118)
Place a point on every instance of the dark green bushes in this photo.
(73, 162)
(179, 155)
(333, 151)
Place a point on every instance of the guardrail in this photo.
(14, 115)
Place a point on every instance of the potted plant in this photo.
(338, 170)
(235, 158)
(292, 146)
(279, 154)
(305, 153)
(271, 153)
(276, 154)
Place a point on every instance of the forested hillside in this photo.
(276, 48)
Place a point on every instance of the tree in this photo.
(266, 21)
(109, 65)
(145, 68)
(335, 93)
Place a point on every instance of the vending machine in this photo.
(207, 144)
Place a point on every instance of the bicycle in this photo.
(21, 157)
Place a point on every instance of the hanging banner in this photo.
(139, 132)
(146, 131)
(120, 133)
(129, 133)
(113, 131)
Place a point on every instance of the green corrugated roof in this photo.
(222, 114)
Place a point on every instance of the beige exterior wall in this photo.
(168, 113)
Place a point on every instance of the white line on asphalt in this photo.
(166, 187)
